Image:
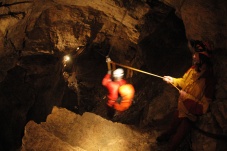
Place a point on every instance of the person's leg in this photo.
(165, 136)
(118, 113)
(182, 131)
(110, 112)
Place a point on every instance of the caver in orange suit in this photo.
(118, 90)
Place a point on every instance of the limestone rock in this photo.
(68, 131)
(37, 138)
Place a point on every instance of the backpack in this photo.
(126, 94)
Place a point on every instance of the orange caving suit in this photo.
(126, 91)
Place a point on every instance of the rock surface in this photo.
(65, 130)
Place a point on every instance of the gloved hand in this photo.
(108, 59)
(168, 79)
(183, 95)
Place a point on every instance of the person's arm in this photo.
(178, 82)
(107, 78)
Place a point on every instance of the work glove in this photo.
(109, 72)
(168, 79)
(119, 100)
(108, 59)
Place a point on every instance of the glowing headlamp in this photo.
(66, 58)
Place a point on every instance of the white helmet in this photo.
(118, 73)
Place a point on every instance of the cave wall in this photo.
(35, 35)
(203, 20)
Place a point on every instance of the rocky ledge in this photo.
(65, 130)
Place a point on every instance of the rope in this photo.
(155, 75)
(137, 70)
(115, 29)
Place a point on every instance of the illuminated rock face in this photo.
(203, 20)
(82, 132)
(35, 36)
